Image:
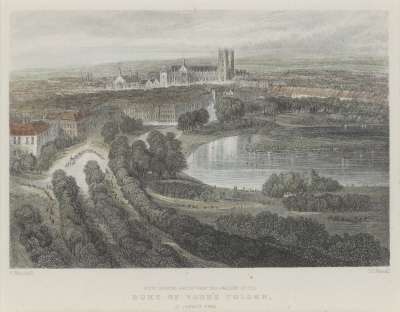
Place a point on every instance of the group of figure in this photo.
(74, 158)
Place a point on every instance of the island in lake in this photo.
(211, 152)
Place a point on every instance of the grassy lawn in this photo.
(209, 211)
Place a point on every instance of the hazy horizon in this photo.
(60, 39)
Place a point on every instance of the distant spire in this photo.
(184, 62)
(120, 71)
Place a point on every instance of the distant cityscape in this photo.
(30, 129)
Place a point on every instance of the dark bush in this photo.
(328, 202)
(308, 238)
(293, 183)
(279, 185)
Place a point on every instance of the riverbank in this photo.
(192, 140)
(291, 133)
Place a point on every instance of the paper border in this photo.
(285, 289)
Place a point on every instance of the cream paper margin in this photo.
(279, 289)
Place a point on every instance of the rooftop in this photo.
(75, 116)
(195, 68)
(33, 128)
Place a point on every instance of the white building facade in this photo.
(30, 137)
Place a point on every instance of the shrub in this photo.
(312, 238)
(328, 202)
(109, 131)
(322, 184)
(278, 186)
(293, 183)
(130, 125)
(39, 240)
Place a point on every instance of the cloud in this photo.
(61, 38)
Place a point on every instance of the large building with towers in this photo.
(184, 74)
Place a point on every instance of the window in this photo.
(15, 140)
(26, 140)
(32, 140)
(19, 140)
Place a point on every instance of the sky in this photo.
(51, 39)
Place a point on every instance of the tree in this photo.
(322, 184)
(175, 160)
(191, 120)
(140, 158)
(28, 162)
(27, 215)
(157, 166)
(47, 155)
(15, 166)
(119, 147)
(229, 109)
(130, 125)
(158, 151)
(109, 131)
(93, 173)
(201, 116)
(291, 182)
(157, 144)
(185, 122)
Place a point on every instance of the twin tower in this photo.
(226, 64)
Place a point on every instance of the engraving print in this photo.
(153, 139)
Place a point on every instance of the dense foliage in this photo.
(351, 110)
(328, 202)
(358, 249)
(79, 235)
(116, 122)
(229, 109)
(182, 189)
(44, 245)
(130, 125)
(123, 238)
(109, 131)
(162, 158)
(98, 232)
(191, 120)
(295, 183)
(203, 240)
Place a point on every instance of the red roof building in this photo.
(26, 129)
(30, 137)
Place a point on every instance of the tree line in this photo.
(94, 232)
(350, 109)
(191, 120)
(356, 250)
(123, 124)
(328, 202)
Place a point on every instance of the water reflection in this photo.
(228, 162)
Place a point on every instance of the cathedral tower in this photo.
(226, 64)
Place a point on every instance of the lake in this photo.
(228, 162)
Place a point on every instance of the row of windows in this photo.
(69, 126)
(17, 140)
